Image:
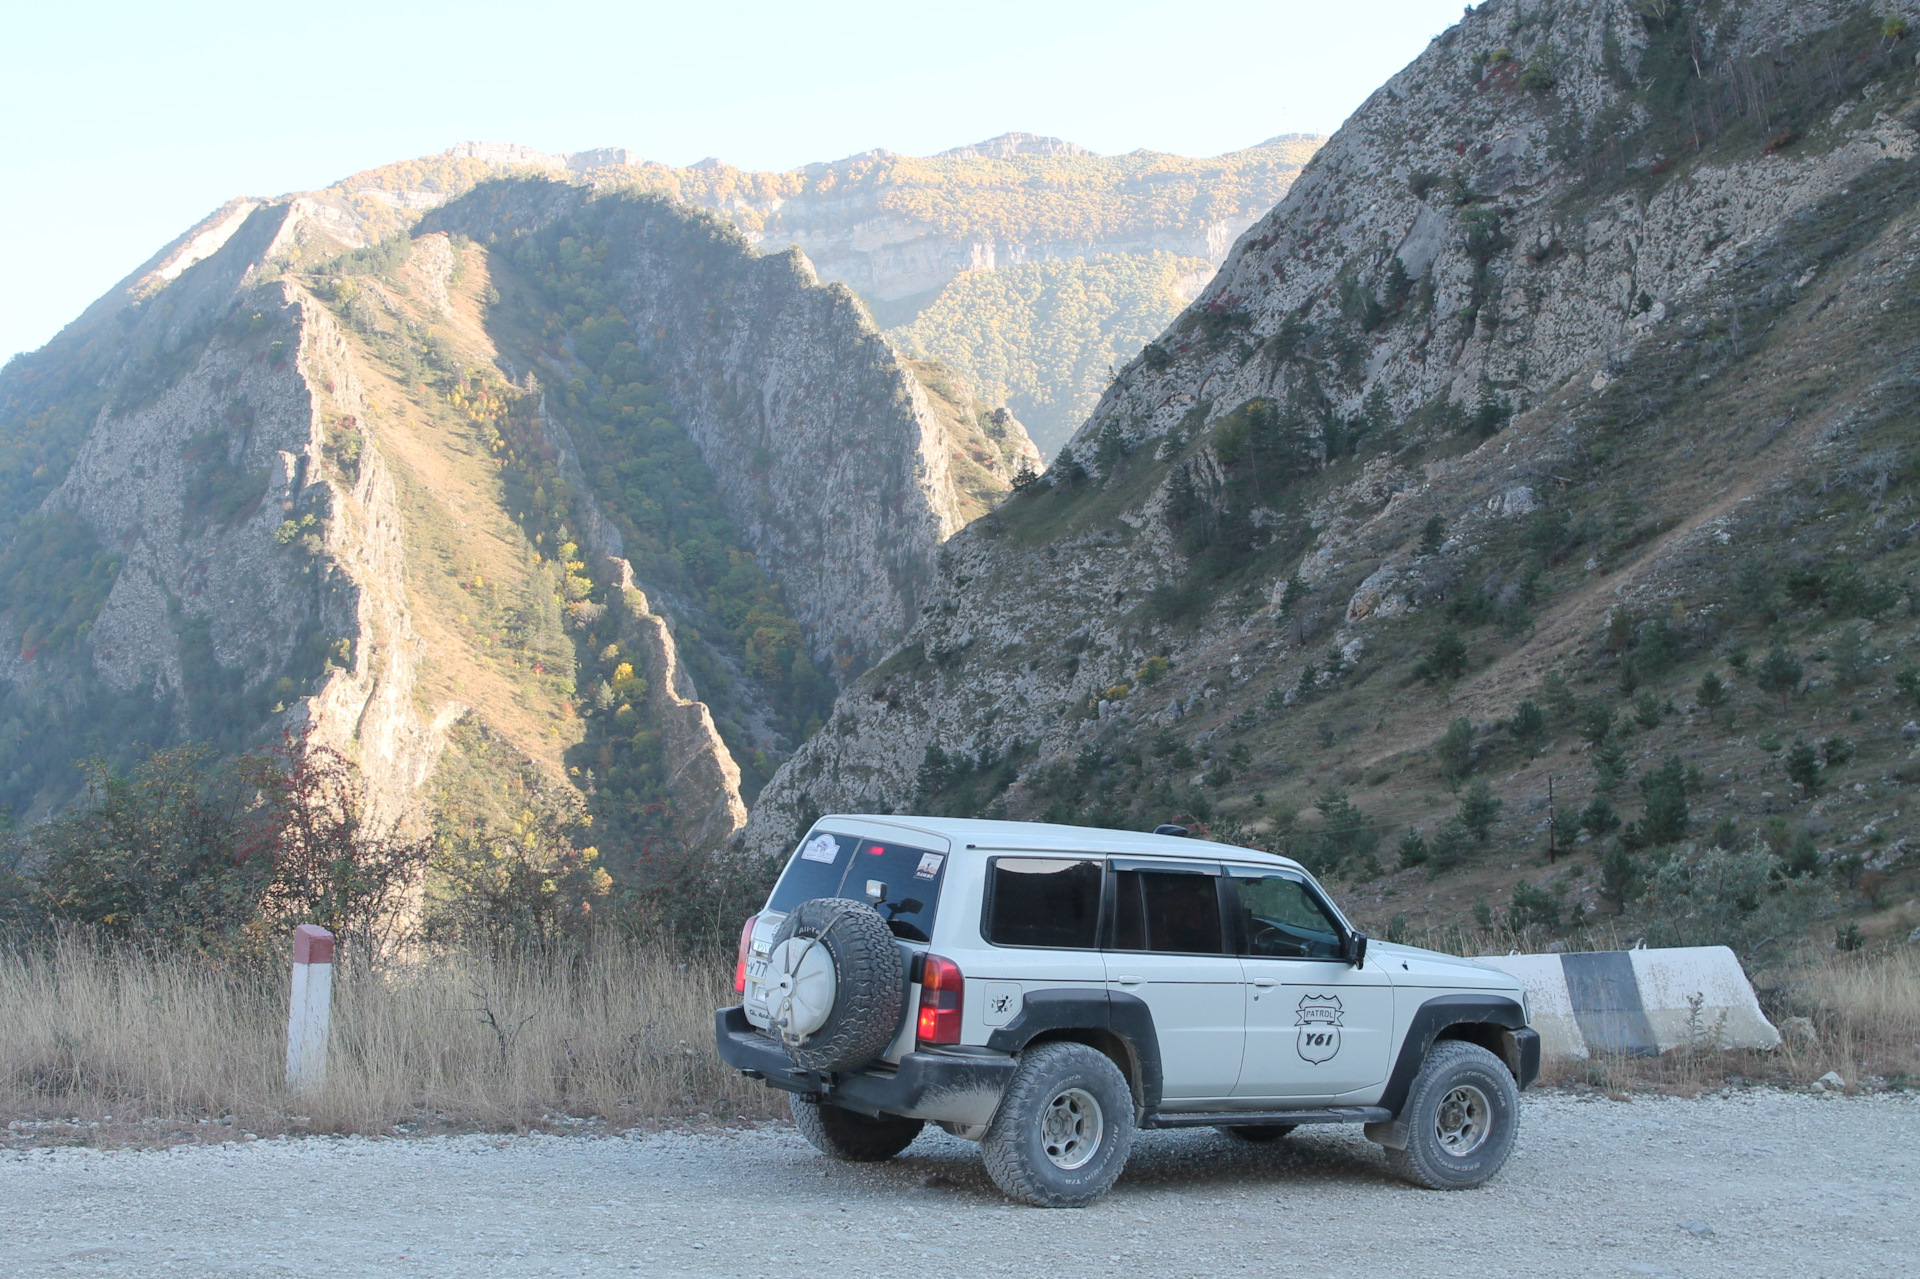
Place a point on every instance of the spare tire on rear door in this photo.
(835, 984)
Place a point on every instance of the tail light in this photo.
(940, 988)
(740, 964)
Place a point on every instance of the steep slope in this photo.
(1576, 367)
(524, 513)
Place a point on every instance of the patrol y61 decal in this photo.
(1318, 1018)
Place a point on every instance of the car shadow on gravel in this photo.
(938, 1166)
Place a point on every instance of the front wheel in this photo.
(1063, 1130)
(1461, 1116)
(845, 1134)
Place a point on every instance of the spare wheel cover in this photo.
(839, 984)
(802, 985)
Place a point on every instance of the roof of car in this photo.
(1047, 837)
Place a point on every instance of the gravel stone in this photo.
(1774, 1183)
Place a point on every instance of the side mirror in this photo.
(876, 891)
(1356, 949)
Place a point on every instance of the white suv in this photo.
(1046, 990)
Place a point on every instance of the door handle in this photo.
(1265, 981)
(1130, 981)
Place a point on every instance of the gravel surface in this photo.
(1758, 1183)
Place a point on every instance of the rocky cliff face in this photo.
(1584, 314)
(897, 228)
(245, 494)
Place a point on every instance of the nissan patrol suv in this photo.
(1045, 991)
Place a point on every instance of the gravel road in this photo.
(1758, 1183)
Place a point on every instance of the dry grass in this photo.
(454, 1041)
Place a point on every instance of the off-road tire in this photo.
(1015, 1147)
(1258, 1134)
(869, 983)
(851, 1136)
(1454, 1068)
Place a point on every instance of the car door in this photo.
(1318, 1029)
(1168, 948)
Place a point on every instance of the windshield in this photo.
(831, 865)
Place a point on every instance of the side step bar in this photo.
(1235, 1118)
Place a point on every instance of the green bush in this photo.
(1479, 810)
(1413, 849)
(1454, 750)
(1779, 672)
(1445, 661)
(1528, 725)
(1720, 898)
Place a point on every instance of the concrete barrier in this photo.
(309, 1010)
(1639, 1003)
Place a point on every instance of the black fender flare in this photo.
(1442, 1013)
(1124, 1016)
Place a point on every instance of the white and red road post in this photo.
(309, 1010)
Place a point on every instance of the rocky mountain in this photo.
(554, 498)
(1549, 450)
(1064, 263)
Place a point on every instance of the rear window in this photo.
(830, 865)
(1171, 911)
(1043, 901)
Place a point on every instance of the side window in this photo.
(1168, 911)
(1283, 919)
(1042, 901)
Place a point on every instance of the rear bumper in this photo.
(959, 1088)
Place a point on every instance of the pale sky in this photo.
(127, 122)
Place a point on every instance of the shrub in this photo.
(1664, 792)
(1596, 721)
(1432, 536)
(1445, 661)
(1345, 835)
(1532, 905)
(1803, 767)
(1413, 849)
(1620, 877)
(1779, 672)
(1528, 725)
(1712, 692)
(1719, 898)
(1455, 751)
(1609, 763)
(1479, 809)
(1598, 817)
(1450, 846)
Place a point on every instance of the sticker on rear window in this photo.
(929, 866)
(821, 848)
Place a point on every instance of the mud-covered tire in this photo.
(845, 1134)
(1462, 1114)
(1060, 1090)
(1258, 1134)
(870, 983)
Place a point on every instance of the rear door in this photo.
(1318, 1029)
(1169, 948)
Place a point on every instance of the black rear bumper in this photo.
(960, 1088)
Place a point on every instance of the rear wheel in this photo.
(1259, 1134)
(1461, 1116)
(848, 1135)
(1063, 1130)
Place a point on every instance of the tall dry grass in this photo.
(452, 1040)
